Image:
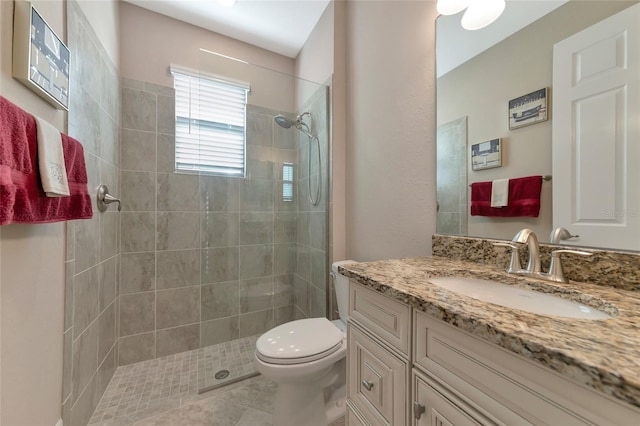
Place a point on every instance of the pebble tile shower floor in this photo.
(164, 391)
(144, 389)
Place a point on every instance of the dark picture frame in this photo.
(486, 155)
(40, 58)
(529, 109)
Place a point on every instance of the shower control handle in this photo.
(367, 385)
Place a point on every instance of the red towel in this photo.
(524, 198)
(22, 199)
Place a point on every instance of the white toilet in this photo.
(306, 358)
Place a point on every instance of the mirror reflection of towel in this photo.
(500, 193)
(524, 198)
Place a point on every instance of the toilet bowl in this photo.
(306, 359)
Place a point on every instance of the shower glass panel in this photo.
(264, 235)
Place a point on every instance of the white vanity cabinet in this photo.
(435, 405)
(378, 349)
(406, 368)
(496, 386)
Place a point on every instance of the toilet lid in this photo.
(311, 338)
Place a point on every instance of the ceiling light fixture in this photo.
(451, 7)
(479, 13)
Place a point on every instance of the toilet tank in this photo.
(341, 285)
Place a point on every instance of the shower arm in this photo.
(301, 116)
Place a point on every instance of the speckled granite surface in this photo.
(613, 268)
(601, 354)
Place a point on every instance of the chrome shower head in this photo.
(283, 121)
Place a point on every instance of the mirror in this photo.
(479, 72)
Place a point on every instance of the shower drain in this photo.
(222, 374)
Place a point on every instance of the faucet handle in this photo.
(514, 263)
(555, 269)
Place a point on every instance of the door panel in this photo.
(596, 132)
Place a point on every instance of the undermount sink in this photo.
(518, 298)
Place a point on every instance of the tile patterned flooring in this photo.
(236, 356)
(164, 391)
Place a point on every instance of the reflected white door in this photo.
(596, 132)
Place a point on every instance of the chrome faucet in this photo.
(528, 237)
(560, 234)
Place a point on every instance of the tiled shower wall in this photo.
(204, 259)
(310, 282)
(92, 259)
(451, 179)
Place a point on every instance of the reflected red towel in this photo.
(22, 199)
(524, 198)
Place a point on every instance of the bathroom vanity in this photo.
(419, 354)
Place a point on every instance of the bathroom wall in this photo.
(31, 273)
(92, 255)
(526, 151)
(105, 21)
(147, 54)
(205, 259)
(311, 265)
(337, 209)
(391, 129)
(246, 246)
(315, 62)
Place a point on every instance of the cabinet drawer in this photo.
(386, 318)
(509, 388)
(377, 383)
(353, 418)
(439, 407)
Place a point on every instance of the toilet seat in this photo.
(299, 341)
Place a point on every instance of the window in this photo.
(210, 123)
(287, 182)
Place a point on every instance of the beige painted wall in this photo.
(151, 42)
(520, 66)
(391, 127)
(339, 139)
(322, 58)
(104, 18)
(315, 60)
(31, 274)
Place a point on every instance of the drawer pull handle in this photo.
(418, 410)
(367, 385)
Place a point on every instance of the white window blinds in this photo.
(210, 123)
(287, 182)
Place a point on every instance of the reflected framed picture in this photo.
(486, 155)
(40, 58)
(528, 109)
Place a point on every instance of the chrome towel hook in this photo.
(104, 198)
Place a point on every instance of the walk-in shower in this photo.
(299, 124)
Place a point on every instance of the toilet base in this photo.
(335, 406)
(299, 406)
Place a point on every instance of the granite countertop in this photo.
(601, 354)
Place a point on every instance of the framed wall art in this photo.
(486, 155)
(528, 109)
(40, 58)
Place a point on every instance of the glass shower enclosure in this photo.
(264, 234)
